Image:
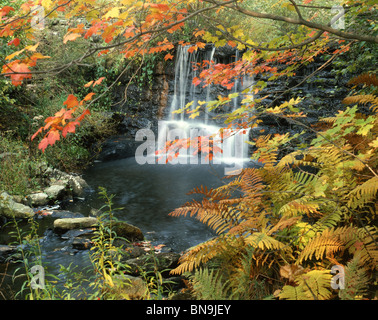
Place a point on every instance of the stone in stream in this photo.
(125, 230)
(56, 191)
(62, 225)
(38, 199)
(9, 208)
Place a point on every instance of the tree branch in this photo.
(298, 21)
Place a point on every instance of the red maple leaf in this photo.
(53, 136)
(70, 127)
(71, 101)
(15, 42)
(17, 72)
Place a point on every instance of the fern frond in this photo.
(264, 242)
(363, 242)
(251, 183)
(250, 224)
(363, 193)
(202, 253)
(365, 78)
(305, 205)
(356, 240)
(327, 243)
(293, 293)
(284, 222)
(317, 283)
(313, 285)
(209, 285)
(363, 99)
(356, 280)
(327, 221)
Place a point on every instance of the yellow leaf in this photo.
(113, 13)
(11, 56)
(39, 55)
(32, 48)
(374, 143)
(194, 115)
(47, 4)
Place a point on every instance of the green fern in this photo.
(209, 285)
(313, 285)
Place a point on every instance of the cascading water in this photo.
(178, 125)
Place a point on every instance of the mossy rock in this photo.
(127, 231)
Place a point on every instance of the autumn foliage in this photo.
(287, 226)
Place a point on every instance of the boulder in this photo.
(56, 191)
(9, 208)
(38, 199)
(127, 231)
(77, 185)
(62, 225)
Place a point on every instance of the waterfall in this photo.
(179, 126)
(208, 88)
(183, 68)
(236, 85)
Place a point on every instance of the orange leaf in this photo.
(82, 116)
(36, 133)
(5, 10)
(53, 136)
(97, 82)
(15, 42)
(88, 84)
(18, 72)
(71, 37)
(201, 45)
(43, 144)
(32, 48)
(71, 101)
(70, 127)
(89, 96)
(168, 56)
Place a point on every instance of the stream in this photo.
(144, 196)
(148, 193)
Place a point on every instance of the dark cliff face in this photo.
(140, 106)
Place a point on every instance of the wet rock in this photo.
(37, 199)
(127, 231)
(60, 214)
(56, 191)
(9, 208)
(62, 225)
(77, 185)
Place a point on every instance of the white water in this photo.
(179, 126)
